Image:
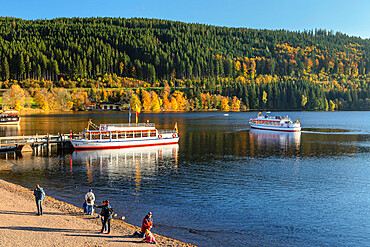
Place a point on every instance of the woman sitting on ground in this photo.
(149, 238)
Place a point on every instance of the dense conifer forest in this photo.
(166, 65)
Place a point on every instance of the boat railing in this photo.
(165, 131)
(275, 118)
(130, 125)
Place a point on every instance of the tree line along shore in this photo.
(159, 65)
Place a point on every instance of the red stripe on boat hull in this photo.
(127, 146)
(275, 129)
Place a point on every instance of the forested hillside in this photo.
(209, 67)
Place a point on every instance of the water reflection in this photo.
(282, 139)
(117, 157)
(118, 161)
(10, 130)
(260, 140)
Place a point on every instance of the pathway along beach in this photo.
(62, 224)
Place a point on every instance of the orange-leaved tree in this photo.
(147, 100)
(156, 101)
(225, 104)
(235, 105)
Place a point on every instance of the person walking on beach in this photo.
(90, 199)
(102, 215)
(107, 213)
(147, 224)
(39, 194)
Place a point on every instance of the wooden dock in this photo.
(37, 142)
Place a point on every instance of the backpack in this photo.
(89, 199)
(42, 194)
(110, 212)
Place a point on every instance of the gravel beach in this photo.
(62, 224)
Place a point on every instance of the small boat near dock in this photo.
(111, 136)
(277, 123)
(9, 118)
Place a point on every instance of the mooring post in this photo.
(62, 141)
(48, 144)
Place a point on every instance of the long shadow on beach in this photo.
(108, 236)
(45, 229)
(27, 213)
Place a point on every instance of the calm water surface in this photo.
(233, 186)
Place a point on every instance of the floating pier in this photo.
(37, 143)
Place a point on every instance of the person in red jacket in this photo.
(147, 223)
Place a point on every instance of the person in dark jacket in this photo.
(147, 223)
(101, 216)
(39, 194)
(107, 214)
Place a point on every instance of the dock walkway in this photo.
(36, 142)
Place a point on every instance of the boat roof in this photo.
(272, 118)
(126, 127)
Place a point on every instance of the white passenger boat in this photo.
(9, 118)
(277, 123)
(109, 136)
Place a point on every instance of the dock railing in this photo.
(36, 139)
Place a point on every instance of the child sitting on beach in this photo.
(148, 237)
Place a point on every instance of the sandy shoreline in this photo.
(62, 224)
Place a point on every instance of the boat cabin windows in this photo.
(95, 136)
(121, 135)
(129, 134)
(145, 134)
(113, 135)
(107, 135)
(153, 133)
(266, 122)
(137, 134)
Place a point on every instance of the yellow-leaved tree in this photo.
(80, 100)
(331, 105)
(135, 102)
(181, 100)
(174, 105)
(156, 101)
(264, 97)
(225, 104)
(16, 97)
(304, 100)
(147, 100)
(235, 105)
(166, 94)
(44, 100)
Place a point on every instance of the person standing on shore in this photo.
(147, 223)
(39, 194)
(90, 199)
(107, 213)
(102, 215)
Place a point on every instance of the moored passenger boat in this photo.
(9, 117)
(277, 123)
(109, 136)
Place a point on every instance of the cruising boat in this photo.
(109, 136)
(9, 118)
(277, 123)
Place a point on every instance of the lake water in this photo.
(230, 185)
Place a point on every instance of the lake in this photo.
(224, 184)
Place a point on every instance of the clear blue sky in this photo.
(351, 17)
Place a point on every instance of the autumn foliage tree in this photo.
(225, 104)
(16, 98)
(235, 104)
